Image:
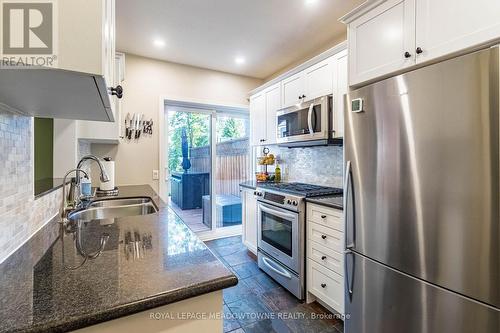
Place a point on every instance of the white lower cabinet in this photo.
(325, 258)
(249, 218)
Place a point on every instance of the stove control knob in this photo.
(295, 203)
(254, 192)
(289, 201)
(259, 194)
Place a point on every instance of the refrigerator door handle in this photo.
(349, 211)
(349, 272)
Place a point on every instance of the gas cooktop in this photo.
(306, 190)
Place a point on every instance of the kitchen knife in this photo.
(132, 122)
(141, 124)
(127, 124)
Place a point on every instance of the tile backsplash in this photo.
(313, 165)
(20, 214)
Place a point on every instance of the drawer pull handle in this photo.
(323, 285)
(323, 236)
(323, 216)
(323, 258)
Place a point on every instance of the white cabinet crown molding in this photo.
(360, 10)
(320, 57)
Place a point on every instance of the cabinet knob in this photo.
(300, 97)
(407, 54)
(323, 216)
(323, 285)
(323, 236)
(323, 258)
(303, 96)
(419, 50)
(118, 91)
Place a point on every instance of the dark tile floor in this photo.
(258, 303)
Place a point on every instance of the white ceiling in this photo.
(269, 34)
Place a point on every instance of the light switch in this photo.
(156, 175)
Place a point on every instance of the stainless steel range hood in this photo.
(54, 93)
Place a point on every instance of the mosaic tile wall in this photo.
(20, 215)
(314, 165)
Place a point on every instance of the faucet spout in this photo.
(104, 175)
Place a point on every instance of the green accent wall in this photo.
(44, 148)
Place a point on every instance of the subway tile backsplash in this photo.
(20, 215)
(313, 165)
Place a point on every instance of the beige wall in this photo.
(145, 81)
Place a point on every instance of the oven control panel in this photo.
(282, 199)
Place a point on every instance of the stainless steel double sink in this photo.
(114, 208)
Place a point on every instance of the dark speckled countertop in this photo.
(148, 261)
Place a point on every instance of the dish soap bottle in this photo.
(277, 174)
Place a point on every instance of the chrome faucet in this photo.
(69, 205)
(104, 175)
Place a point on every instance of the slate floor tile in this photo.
(241, 290)
(279, 299)
(247, 269)
(229, 249)
(238, 258)
(225, 241)
(267, 326)
(249, 310)
(230, 323)
(305, 322)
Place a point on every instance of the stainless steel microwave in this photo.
(307, 124)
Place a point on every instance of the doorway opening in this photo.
(207, 156)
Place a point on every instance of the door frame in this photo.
(205, 106)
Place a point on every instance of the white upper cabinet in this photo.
(273, 104)
(382, 41)
(341, 87)
(292, 90)
(318, 80)
(448, 26)
(257, 119)
(313, 82)
(391, 36)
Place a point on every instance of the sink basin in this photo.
(110, 209)
(120, 202)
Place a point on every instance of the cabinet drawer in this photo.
(327, 237)
(326, 285)
(326, 257)
(329, 217)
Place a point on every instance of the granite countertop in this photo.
(40, 293)
(332, 201)
(47, 185)
(251, 184)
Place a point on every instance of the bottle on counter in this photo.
(277, 174)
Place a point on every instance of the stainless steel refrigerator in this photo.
(422, 200)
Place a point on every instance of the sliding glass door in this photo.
(207, 158)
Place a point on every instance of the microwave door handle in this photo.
(277, 213)
(309, 119)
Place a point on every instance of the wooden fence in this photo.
(232, 164)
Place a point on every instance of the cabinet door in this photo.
(249, 207)
(447, 26)
(273, 104)
(318, 79)
(341, 87)
(379, 39)
(257, 119)
(292, 89)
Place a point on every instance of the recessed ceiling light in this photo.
(159, 42)
(311, 2)
(239, 60)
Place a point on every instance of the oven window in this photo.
(296, 123)
(277, 232)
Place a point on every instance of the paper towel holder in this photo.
(108, 192)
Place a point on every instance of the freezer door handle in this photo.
(349, 272)
(349, 209)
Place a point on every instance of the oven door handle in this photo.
(278, 213)
(309, 119)
(280, 271)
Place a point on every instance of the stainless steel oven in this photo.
(280, 239)
(306, 122)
